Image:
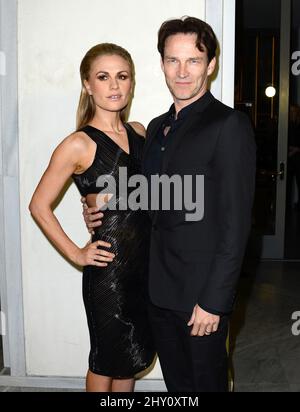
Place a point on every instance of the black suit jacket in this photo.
(200, 262)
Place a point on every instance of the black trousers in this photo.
(189, 363)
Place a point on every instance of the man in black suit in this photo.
(195, 264)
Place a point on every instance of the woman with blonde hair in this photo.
(115, 275)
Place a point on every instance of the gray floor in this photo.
(266, 355)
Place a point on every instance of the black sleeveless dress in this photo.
(115, 297)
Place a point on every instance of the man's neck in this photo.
(181, 104)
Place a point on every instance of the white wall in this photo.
(53, 37)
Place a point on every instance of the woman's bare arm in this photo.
(64, 162)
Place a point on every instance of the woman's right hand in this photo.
(91, 255)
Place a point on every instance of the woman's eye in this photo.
(103, 77)
(123, 77)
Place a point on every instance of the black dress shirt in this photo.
(159, 146)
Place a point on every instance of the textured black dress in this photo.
(115, 297)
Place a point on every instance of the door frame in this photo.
(273, 246)
(10, 237)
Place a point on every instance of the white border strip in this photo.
(220, 14)
(228, 52)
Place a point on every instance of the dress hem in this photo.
(115, 376)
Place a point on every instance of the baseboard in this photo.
(143, 385)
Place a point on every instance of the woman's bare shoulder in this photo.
(73, 148)
(77, 141)
(139, 128)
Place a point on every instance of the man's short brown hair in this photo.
(206, 38)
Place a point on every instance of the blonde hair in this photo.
(86, 108)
